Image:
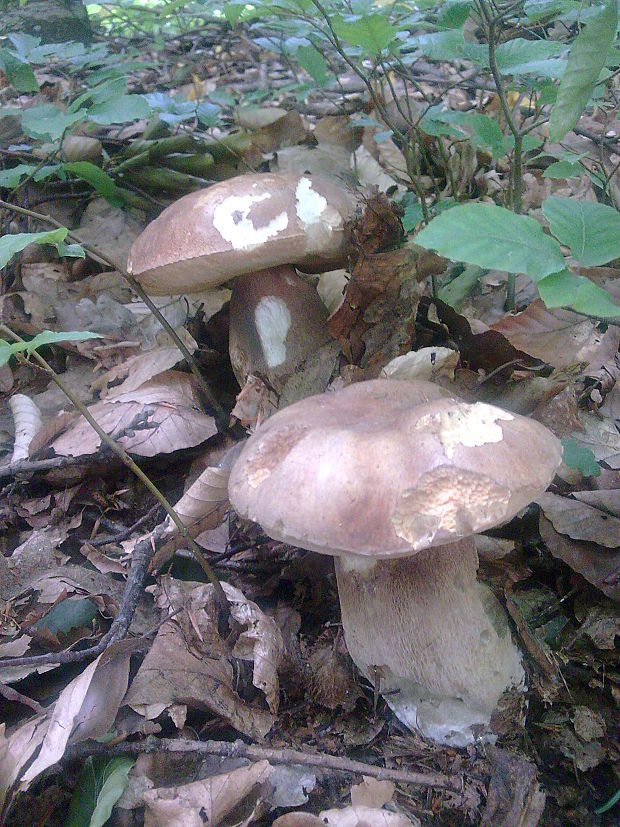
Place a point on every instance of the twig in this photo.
(238, 749)
(26, 466)
(138, 572)
(219, 413)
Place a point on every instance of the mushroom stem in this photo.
(276, 321)
(434, 641)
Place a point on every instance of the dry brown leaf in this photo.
(603, 500)
(159, 417)
(581, 521)
(138, 370)
(515, 798)
(109, 231)
(34, 556)
(255, 403)
(371, 173)
(16, 752)
(366, 816)
(28, 421)
(201, 675)
(372, 792)
(271, 127)
(338, 130)
(599, 566)
(426, 363)
(205, 802)
(86, 707)
(559, 337)
(326, 159)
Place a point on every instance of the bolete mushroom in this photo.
(394, 478)
(253, 229)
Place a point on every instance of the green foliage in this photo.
(493, 237)
(565, 289)
(579, 457)
(67, 615)
(587, 58)
(310, 59)
(372, 33)
(101, 784)
(47, 337)
(591, 230)
(12, 244)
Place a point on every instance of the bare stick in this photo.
(239, 749)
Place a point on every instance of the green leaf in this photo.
(373, 32)
(456, 291)
(68, 615)
(101, 784)
(565, 289)
(563, 169)
(454, 14)
(493, 237)
(577, 456)
(12, 244)
(46, 337)
(310, 59)
(412, 217)
(591, 230)
(586, 60)
(10, 178)
(120, 110)
(18, 73)
(521, 57)
(47, 122)
(97, 178)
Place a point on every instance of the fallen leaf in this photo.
(189, 663)
(159, 417)
(580, 521)
(208, 801)
(559, 337)
(599, 566)
(515, 798)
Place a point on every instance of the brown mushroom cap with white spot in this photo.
(386, 468)
(243, 225)
(394, 478)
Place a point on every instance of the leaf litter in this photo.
(286, 680)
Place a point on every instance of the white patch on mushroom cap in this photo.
(273, 321)
(468, 425)
(309, 204)
(318, 218)
(230, 219)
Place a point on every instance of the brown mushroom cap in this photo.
(386, 468)
(242, 225)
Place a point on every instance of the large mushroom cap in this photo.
(241, 225)
(387, 468)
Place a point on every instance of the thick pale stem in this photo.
(433, 640)
(276, 321)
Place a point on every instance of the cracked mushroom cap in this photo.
(242, 225)
(386, 468)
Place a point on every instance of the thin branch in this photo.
(238, 749)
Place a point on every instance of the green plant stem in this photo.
(134, 468)
(219, 413)
(491, 22)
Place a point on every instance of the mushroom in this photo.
(394, 478)
(253, 229)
